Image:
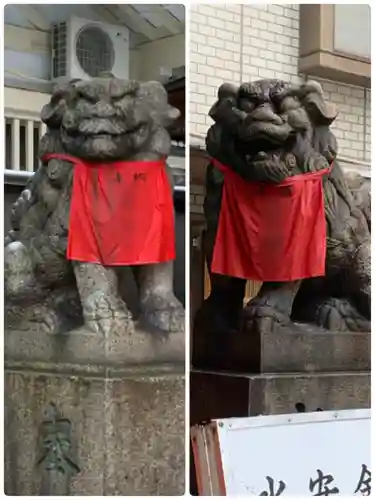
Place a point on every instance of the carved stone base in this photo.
(298, 348)
(223, 395)
(127, 427)
(123, 399)
(95, 349)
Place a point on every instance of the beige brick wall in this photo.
(196, 199)
(352, 126)
(368, 126)
(270, 42)
(243, 42)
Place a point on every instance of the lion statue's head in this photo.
(272, 121)
(108, 119)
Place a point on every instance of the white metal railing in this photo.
(22, 134)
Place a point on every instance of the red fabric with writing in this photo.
(271, 232)
(121, 213)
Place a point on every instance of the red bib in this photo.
(271, 232)
(121, 213)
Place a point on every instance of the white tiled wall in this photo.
(270, 42)
(368, 126)
(196, 199)
(242, 42)
(215, 57)
(245, 42)
(349, 127)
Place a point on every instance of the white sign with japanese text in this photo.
(309, 454)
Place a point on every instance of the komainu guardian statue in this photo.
(100, 201)
(280, 210)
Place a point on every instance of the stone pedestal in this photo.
(296, 348)
(124, 399)
(225, 395)
(295, 368)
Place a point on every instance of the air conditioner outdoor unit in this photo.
(83, 49)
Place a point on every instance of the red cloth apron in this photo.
(121, 213)
(271, 232)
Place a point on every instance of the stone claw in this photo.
(119, 323)
(263, 318)
(106, 314)
(163, 313)
(340, 315)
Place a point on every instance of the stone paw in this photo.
(339, 315)
(105, 315)
(263, 318)
(117, 324)
(163, 313)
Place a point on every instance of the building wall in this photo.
(27, 55)
(163, 54)
(243, 42)
(25, 102)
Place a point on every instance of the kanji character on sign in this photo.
(320, 486)
(364, 483)
(271, 488)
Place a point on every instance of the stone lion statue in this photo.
(102, 120)
(269, 131)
